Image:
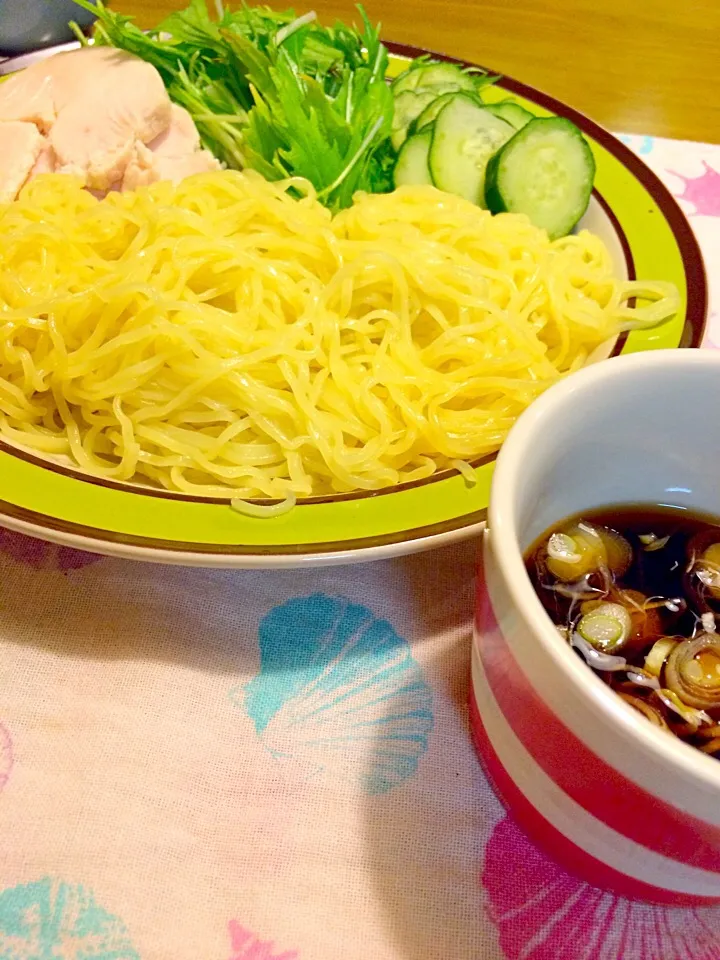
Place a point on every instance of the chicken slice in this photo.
(174, 155)
(98, 122)
(177, 168)
(27, 96)
(76, 74)
(179, 138)
(141, 174)
(98, 156)
(108, 118)
(45, 162)
(20, 146)
(38, 93)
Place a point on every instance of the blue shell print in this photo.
(641, 145)
(48, 919)
(339, 692)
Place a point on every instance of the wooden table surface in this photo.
(641, 66)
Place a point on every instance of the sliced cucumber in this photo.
(408, 79)
(546, 172)
(407, 105)
(465, 136)
(431, 75)
(431, 111)
(412, 163)
(515, 115)
(446, 75)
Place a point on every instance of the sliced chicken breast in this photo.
(20, 146)
(27, 96)
(174, 155)
(95, 132)
(38, 93)
(45, 162)
(108, 120)
(179, 138)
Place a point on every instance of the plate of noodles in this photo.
(289, 318)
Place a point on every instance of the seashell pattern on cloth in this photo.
(542, 913)
(339, 693)
(49, 919)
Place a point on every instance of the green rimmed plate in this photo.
(648, 237)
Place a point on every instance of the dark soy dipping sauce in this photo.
(635, 591)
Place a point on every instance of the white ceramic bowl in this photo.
(616, 800)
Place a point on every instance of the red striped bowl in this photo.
(615, 800)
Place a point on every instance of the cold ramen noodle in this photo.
(636, 593)
(227, 336)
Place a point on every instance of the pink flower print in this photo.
(42, 555)
(702, 192)
(246, 946)
(542, 913)
(6, 756)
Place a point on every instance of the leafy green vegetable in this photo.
(280, 94)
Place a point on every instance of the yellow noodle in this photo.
(227, 337)
(465, 471)
(261, 511)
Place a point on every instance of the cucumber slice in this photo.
(513, 113)
(546, 172)
(407, 105)
(430, 75)
(446, 75)
(412, 163)
(465, 136)
(407, 80)
(431, 111)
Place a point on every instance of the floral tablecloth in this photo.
(202, 765)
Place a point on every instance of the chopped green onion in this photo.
(562, 547)
(607, 627)
(693, 671)
(642, 678)
(605, 662)
(658, 654)
(707, 569)
(689, 714)
(652, 542)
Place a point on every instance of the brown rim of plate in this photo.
(692, 334)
